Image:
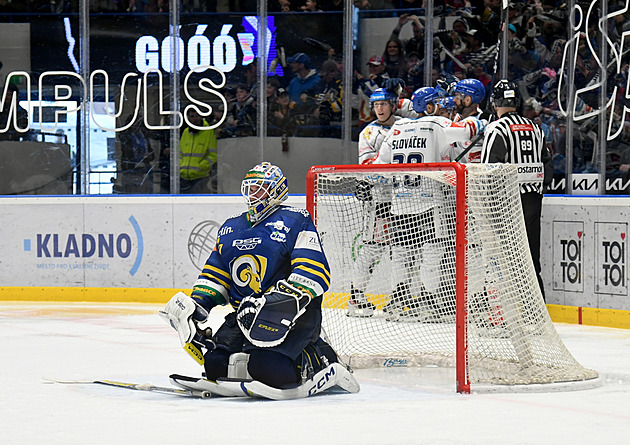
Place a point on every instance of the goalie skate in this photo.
(415, 312)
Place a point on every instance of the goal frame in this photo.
(461, 234)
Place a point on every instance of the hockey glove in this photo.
(394, 86)
(476, 126)
(187, 318)
(266, 321)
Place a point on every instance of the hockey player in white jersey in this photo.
(428, 138)
(388, 108)
(415, 230)
(467, 95)
(375, 196)
(446, 107)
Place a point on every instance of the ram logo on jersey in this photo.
(414, 142)
(246, 244)
(248, 272)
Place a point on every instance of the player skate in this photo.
(358, 305)
(403, 306)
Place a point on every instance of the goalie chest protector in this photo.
(256, 258)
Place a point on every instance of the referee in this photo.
(517, 140)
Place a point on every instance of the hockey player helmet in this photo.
(264, 189)
(471, 87)
(447, 106)
(423, 97)
(505, 94)
(382, 94)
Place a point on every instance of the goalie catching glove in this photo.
(265, 321)
(187, 318)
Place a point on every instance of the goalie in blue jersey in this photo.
(269, 265)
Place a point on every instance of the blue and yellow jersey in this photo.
(249, 261)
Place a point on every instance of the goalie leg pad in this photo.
(333, 375)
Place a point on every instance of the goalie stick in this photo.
(137, 387)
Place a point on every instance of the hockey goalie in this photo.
(269, 265)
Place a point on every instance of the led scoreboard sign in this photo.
(203, 55)
(130, 53)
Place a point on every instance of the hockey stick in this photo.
(135, 386)
(472, 143)
(452, 56)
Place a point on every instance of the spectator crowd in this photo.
(305, 98)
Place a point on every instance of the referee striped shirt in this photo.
(518, 140)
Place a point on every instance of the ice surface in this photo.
(395, 406)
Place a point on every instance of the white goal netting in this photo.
(415, 251)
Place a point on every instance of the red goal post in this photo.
(430, 267)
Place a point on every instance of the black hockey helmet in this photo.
(505, 94)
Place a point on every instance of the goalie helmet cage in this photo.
(439, 252)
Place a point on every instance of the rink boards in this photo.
(146, 248)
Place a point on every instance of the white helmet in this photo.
(264, 189)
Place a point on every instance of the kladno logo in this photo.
(201, 241)
(90, 245)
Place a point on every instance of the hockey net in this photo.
(430, 266)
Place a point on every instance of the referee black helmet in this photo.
(505, 94)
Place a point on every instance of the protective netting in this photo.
(392, 238)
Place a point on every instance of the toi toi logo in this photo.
(610, 257)
(571, 263)
(568, 260)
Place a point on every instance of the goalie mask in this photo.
(264, 189)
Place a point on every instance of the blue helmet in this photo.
(383, 94)
(471, 87)
(447, 102)
(422, 97)
(264, 189)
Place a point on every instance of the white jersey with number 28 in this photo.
(426, 139)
